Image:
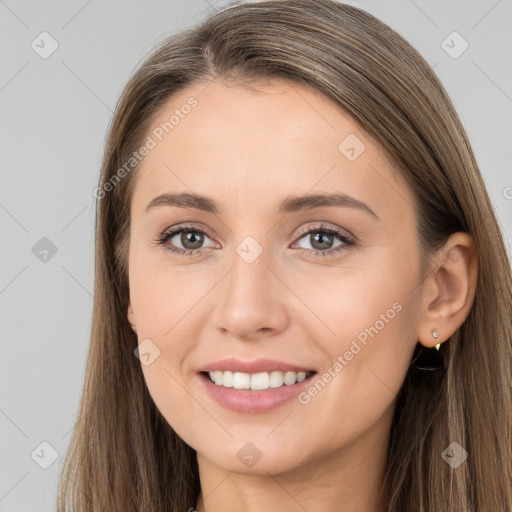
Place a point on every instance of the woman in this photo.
(303, 296)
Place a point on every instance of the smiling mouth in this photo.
(256, 381)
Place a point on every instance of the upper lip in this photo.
(256, 366)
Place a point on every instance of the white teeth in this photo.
(301, 376)
(260, 381)
(290, 378)
(276, 379)
(256, 381)
(241, 380)
(227, 379)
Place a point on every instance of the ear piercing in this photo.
(431, 360)
(435, 336)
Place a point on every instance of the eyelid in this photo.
(319, 225)
(188, 227)
(325, 226)
(347, 239)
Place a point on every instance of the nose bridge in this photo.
(249, 301)
(248, 283)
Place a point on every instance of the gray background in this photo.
(54, 115)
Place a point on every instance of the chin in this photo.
(248, 458)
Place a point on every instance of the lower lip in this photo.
(253, 402)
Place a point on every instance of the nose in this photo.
(250, 302)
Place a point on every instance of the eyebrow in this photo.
(288, 205)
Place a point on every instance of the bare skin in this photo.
(248, 151)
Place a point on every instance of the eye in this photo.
(321, 238)
(191, 238)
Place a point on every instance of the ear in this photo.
(449, 289)
(130, 315)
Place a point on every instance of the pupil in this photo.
(324, 245)
(191, 237)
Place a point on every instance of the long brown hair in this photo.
(123, 455)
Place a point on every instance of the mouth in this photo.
(256, 381)
(254, 393)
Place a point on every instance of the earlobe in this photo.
(131, 316)
(449, 289)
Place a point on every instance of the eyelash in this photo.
(347, 240)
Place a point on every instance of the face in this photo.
(330, 287)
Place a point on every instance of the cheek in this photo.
(371, 316)
(162, 290)
(356, 391)
(167, 301)
(364, 301)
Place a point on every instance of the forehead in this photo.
(252, 144)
